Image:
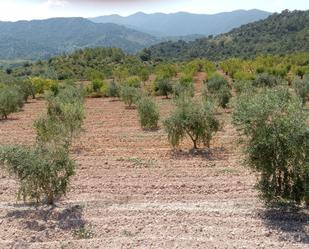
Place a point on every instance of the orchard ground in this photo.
(132, 190)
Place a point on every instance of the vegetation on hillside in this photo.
(283, 33)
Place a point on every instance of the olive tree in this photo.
(44, 173)
(278, 143)
(266, 80)
(44, 170)
(148, 113)
(218, 87)
(164, 86)
(129, 95)
(64, 118)
(11, 100)
(191, 119)
(302, 88)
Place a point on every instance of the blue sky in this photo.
(12, 10)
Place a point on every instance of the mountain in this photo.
(41, 39)
(282, 33)
(183, 24)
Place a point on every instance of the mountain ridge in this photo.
(184, 23)
(41, 39)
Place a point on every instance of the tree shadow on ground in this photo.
(210, 154)
(9, 119)
(41, 218)
(292, 222)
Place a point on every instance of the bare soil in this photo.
(132, 190)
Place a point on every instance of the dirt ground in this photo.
(131, 190)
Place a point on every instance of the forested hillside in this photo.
(42, 39)
(282, 33)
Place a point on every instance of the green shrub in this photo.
(64, 118)
(266, 80)
(243, 76)
(133, 81)
(43, 173)
(278, 143)
(241, 86)
(218, 87)
(164, 87)
(183, 88)
(302, 88)
(97, 89)
(129, 95)
(223, 96)
(26, 89)
(148, 113)
(113, 89)
(11, 100)
(193, 119)
(41, 85)
(215, 83)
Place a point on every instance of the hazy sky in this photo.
(11, 10)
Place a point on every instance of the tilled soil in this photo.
(132, 190)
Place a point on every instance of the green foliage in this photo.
(133, 81)
(283, 33)
(215, 83)
(43, 173)
(302, 88)
(266, 80)
(164, 86)
(277, 147)
(193, 119)
(41, 85)
(11, 100)
(25, 88)
(148, 113)
(218, 87)
(165, 71)
(223, 96)
(113, 89)
(129, 95)
(242, 86)
(64, 118)
(183, 89)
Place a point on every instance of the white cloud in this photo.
(56, 3)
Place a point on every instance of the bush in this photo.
(243, 76)
(97, 89)
(113, 89)
(215, 83)
(192, 119)
(148, 113)
(11, 101)
(164, 87)
(219, 88)
(41, 85)
(64, 118)
(302, 88)
(44, 173)
(223, 96)
(278, 143)
(129, 95)
(266, 80)
(26, 89)
(133, 81)
(241, 86)
(183, 88)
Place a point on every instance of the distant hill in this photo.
(42, 39)
(278, 34)
(183, 24)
